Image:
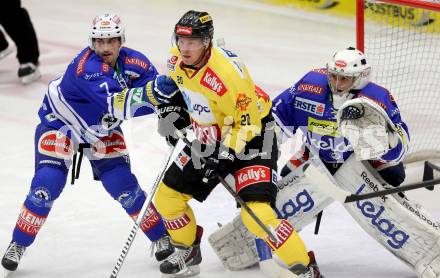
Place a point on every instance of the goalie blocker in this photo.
(402, 226)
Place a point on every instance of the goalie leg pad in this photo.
(429, 268)
(299, 201)
(234, 245)
(400, 225)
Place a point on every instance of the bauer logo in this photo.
(377, 214)
(211, 81)
(301, 202)
(252, 175)
(310, 106)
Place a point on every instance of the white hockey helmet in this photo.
(349, 62)
(106, 26)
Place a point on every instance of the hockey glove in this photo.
(171, 118)
(219, 163)
(162, 89)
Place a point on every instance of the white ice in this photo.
(86, 229)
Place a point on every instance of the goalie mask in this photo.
(348, 70)
(105, 27)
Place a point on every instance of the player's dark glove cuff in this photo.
(219, 163)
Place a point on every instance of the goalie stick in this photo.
(141, 215)
(237, 198)
(325, 183)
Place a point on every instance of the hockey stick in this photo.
(141, 215)
(324, 183)
(237, 198)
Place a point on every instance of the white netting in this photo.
(403, 46)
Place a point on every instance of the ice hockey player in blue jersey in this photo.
(311, 106)
(104, 85)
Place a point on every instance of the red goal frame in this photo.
(360, 28)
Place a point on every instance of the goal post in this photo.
(401, 39)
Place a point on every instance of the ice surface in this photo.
(86, 229)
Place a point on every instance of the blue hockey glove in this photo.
(162, 88)
(220, 162)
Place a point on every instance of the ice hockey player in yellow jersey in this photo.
(233, 126)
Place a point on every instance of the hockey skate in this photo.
(310, 271)
(184, 262)
(162, 248)
(12, 257)
(28, 73)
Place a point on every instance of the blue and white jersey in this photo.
(92, 98)
(308, 106)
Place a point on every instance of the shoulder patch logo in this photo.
(242, 102)
(82, 61)
(211, 81)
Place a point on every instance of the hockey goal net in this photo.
(401, 39)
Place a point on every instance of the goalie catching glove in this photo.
(367, 127)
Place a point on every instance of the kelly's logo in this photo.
(211, 81)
